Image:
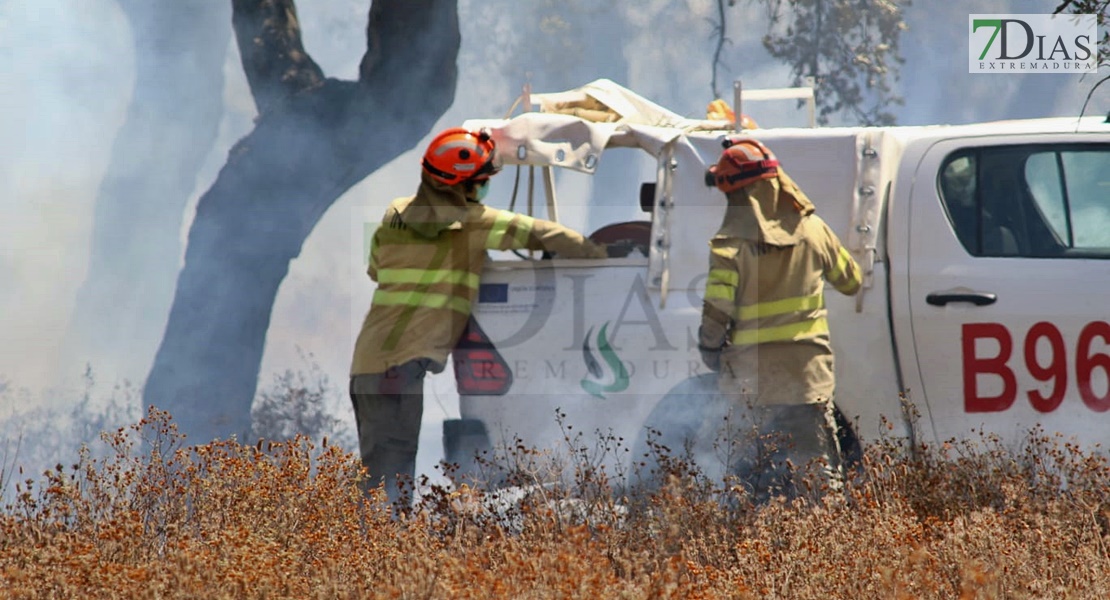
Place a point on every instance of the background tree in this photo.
(171, 124)
(1099, 8)
(314, 138)
(848, 47)
(302, 403)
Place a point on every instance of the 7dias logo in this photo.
(1032, 43)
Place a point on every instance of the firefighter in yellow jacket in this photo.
(764, 324)
(426, 258)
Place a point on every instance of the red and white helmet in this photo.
(744, 162)
(457, 155)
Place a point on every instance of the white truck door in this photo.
(1009, 268)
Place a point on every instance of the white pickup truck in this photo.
(985, 249)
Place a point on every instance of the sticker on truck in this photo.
(1089, 359)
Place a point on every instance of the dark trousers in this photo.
(388, 411)
(804, 436)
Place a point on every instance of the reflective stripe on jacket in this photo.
(427, 286)
(766, 305)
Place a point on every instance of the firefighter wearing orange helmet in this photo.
(764, 324)
(426, 258)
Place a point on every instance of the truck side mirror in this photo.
(647, 197)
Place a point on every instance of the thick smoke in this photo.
(67, 77)
(70, 73)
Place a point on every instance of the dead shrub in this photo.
(154, 517)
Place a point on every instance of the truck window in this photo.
(1034, 201)
(610, 196)
(957, 184)
(604, 205)
(1072, 189)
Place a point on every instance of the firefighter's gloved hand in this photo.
(622, 248)
(711, 357)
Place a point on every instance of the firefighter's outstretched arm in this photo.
(516, 231)
(564, 242)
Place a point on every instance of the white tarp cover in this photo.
(574, 127)
(629, 107)
(830, 164)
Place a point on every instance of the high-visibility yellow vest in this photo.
(766, 304)
(427, 286)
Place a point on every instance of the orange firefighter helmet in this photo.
(744, 162)
(457, 155)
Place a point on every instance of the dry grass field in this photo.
(155, 519)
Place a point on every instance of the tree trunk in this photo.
(314, 139)
(173, 120)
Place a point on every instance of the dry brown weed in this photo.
(158, 519)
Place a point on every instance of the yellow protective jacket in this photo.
(764, 302)
(426, 257)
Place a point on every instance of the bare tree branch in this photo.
(274, 59)
(1091, 93)
(720, 31)
(389, 36)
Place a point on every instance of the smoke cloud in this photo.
(67, 78)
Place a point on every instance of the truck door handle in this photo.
(976, 298)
